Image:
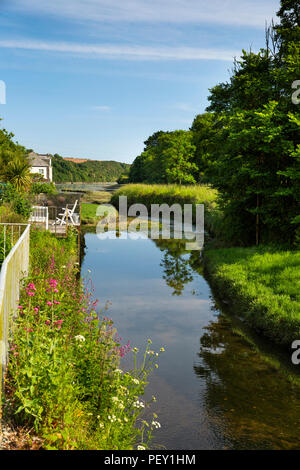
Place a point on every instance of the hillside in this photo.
(87, 171)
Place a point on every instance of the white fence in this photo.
(14, 268)
(40, 214)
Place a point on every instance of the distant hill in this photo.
(89, 171)
(75, 160)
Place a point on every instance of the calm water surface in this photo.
(216, 388)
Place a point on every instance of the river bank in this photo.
(219, 384)
(261, 284)
(64, 387)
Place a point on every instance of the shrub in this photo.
(18, 200)
(46, 188)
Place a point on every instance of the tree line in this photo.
(89, 171)
(247, 143)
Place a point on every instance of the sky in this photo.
(95, 78)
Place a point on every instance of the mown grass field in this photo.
(262, 285)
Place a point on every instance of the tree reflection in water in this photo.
(250, 401)
(176, 264)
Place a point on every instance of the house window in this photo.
(41, 171)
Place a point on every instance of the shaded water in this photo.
(215, 387)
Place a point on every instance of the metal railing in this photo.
(40, 214)
(15, 246)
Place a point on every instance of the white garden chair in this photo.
(61, 219)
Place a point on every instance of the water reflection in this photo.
(224, 394)
(177, 270)
(252, 403)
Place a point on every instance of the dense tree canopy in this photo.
(247, 144)
(89, 171)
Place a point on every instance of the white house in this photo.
(41, 164)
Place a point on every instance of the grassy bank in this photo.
(89, 204)
(64, 382)
(148, 194)
(262, 285)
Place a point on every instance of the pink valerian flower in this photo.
(36, 309)
(122, 350)
(49, 303)
(59, 322)
(20, 307)
(56, 302)
(47, 322)
(30, 293)
(31, 286)
(53, 283)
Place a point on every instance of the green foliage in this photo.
(8, 215)
(167, 158)
(262, 285)
(14, 165)
(89, 171)
(19, 202)
(46, 188)
(247, 145)
(64, 374)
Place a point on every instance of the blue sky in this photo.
(95, 78)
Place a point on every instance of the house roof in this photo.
(37, 159)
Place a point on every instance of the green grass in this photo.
(170, 194)
(88, 214)
(88, 207)
(262, 285)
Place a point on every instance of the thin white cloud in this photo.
(233, 12)
(122, 52)
(101, 108)
(185, 107)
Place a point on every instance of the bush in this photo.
(18, 200)
(8, 215)
(45, 188)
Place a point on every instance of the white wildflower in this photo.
(80, 338)
(138, 404)
(156, 424)
(141, 448)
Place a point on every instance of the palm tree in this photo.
(17, 172)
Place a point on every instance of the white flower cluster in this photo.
(138, 404)
(112, 418)
(118, 403)
(141, 448)
(80, 338)
(156, 424)
(136, 381)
